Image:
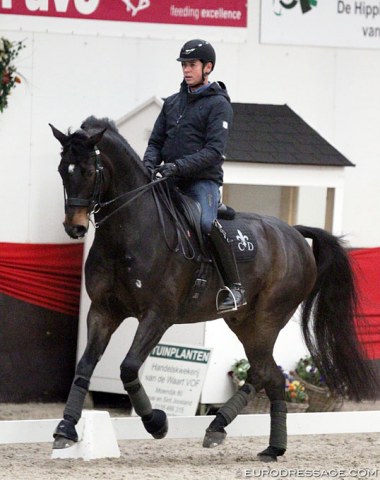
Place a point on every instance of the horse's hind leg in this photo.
(100, 329)
(274, 385)
(264, 373)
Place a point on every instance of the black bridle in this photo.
(94, 204)
(90, 203)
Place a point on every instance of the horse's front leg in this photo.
(148, 334)
(100, 327)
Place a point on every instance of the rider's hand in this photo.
(150, 167)
(168, 169)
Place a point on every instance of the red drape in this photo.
(47, 275)
(366, 264)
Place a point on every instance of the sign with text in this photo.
(173, 377)
(229, 13)
(328, 23)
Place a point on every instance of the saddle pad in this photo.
(244, 241)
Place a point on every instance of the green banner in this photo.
(175, 352)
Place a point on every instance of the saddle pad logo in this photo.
(242, 235)
(244, 244)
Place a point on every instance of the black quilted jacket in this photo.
(191, 131)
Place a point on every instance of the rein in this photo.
(136, 193)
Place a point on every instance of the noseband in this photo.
(93, 202)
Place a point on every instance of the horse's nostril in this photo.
(81, 231)
(76, 231)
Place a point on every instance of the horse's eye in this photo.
(71, 168)
(88, 172)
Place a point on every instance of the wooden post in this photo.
(289, 204)
(329, 215)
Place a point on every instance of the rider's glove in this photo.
(168, 169)
(150, 167)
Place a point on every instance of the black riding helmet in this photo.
(198, 50)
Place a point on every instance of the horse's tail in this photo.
(331, 336)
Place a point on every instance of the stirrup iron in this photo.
(219, 301)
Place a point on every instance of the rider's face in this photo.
(192, 72)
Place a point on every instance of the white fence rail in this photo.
(131, 428)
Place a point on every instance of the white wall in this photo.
(70, 76)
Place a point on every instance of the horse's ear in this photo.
(61, 137)
(95, 139)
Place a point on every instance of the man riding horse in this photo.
(190, 137)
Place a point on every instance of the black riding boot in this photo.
(232, 295)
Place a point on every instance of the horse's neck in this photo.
(126, 202)
(125, 177)
(134, 213)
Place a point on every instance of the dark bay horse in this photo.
(134, 270)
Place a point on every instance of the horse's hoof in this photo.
(267, 458)
(62, 442)
(213, 439)
(65, 435)
(161, 433)
(156, 424)
(270, 454)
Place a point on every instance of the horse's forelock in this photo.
(93, 123)
(76, 143)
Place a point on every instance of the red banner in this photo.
(47, 275)
(366, 264)
(226, 13)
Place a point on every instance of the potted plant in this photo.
(295, 392)
(320, 397)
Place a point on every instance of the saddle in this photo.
(238, 232)
(191, 211)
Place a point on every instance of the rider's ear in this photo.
(61, 137)
(95, 139)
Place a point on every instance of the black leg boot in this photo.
(232, 295)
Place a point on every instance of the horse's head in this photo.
(81, 172)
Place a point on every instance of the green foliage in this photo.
(8, 75)
(307, 370)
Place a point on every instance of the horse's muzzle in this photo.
(76, 224)
(75, 231)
